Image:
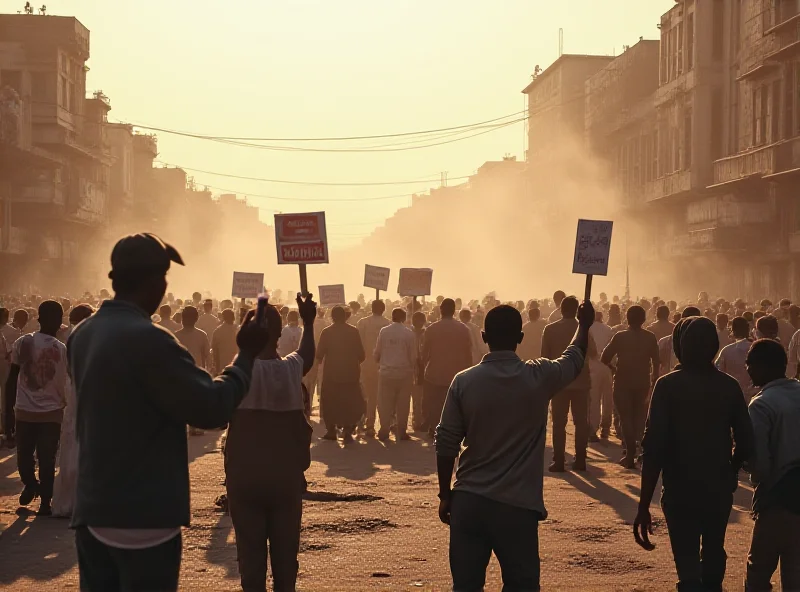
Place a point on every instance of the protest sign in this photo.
(301, 239)
(376, 277)
(331, 295)
(415, 282)
(247, 285)
(592, 250)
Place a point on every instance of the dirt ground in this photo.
(372, 525)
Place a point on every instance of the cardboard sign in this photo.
(301, 238)
(376, 277)
(331, 295)
(247, 285)
(415, 282)
(592, 247)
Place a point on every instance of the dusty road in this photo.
(372, 525)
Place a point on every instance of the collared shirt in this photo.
(137, 389)
(446, 351)
(775, 414)
(498, 410)
(396, 351)
(731, 360)
(555, 339)
(531, 346)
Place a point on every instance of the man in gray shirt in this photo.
(498, 410)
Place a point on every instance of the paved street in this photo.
(371, 524)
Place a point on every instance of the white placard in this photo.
(331, 295)
(415, 282)
(592, 247)
(376, 277)
(247, 285)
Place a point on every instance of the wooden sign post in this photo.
(301, 239)
(592, 250)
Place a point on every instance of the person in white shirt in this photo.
(207, 321)
(732, 358)
(311, 380)
(793, 364)
(369, 328)
(531, 346)
(601, 403)
(396, 355)
(291, 335)
(37, 383)
(558, 298)
(223, 342)
(196, 342)
(479, 348)
(165, 312)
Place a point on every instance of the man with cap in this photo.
(137, 389)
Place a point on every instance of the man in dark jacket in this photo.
(137, 389)
(688, 442)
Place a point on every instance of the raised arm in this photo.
(307, 349)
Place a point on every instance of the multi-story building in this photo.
(61, 206)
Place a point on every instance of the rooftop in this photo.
(567, 57)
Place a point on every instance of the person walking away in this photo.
(223, 342)
(556, 338)
(208, 322)
(10, 332)
(193, 339)
(698, 436)
(418, 321)
(666, 351)
(767, 327)
(66, 480)
(733, 358)
(311, 380)
(662, 327)
(531, 346)
(396, 355)
(369, 328)
(479, 348)
(265, 489)
(291, 335)
(37, 382)
(495, 423)
(165, 314)
(196, 342)
(774, 470)
(341, 352)
(446, 351)
(785, 328)
(133, 476)
(636, 350)
(601, 404)
(558, 298)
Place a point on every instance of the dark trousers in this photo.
(578, 401)
(107, 569)
(38, 441)
(261, 517)
(7, 408)
(697, 535)
(479, 526)
(631, 404)
(776, 537)
(433, 397)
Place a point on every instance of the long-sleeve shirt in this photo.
(342, 352)
(688, 433)
(137, 389)
(775, 414)
(555, 339)
(396, 351)
(369, 328)
(446, 351)
(498, 409)
(637, 356)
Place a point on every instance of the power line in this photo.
(309, 199)
(322, 139)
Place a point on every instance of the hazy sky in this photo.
(311, 68)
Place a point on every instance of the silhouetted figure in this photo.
(688, 442)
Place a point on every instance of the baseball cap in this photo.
(142, 252)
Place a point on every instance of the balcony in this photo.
(754, 163)
(668, 186)
(720, 239)
(787, 40)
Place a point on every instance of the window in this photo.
(690, 42)
(679, 58)
(775, 110)
(687, 139)
(664, 54)
(674, 55)
(63, 94)
(716, 123)
(760, 113)
(655, 173)
(762, 132)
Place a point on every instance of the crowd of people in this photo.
(697, 392)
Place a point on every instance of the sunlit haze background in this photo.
(312, 68)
